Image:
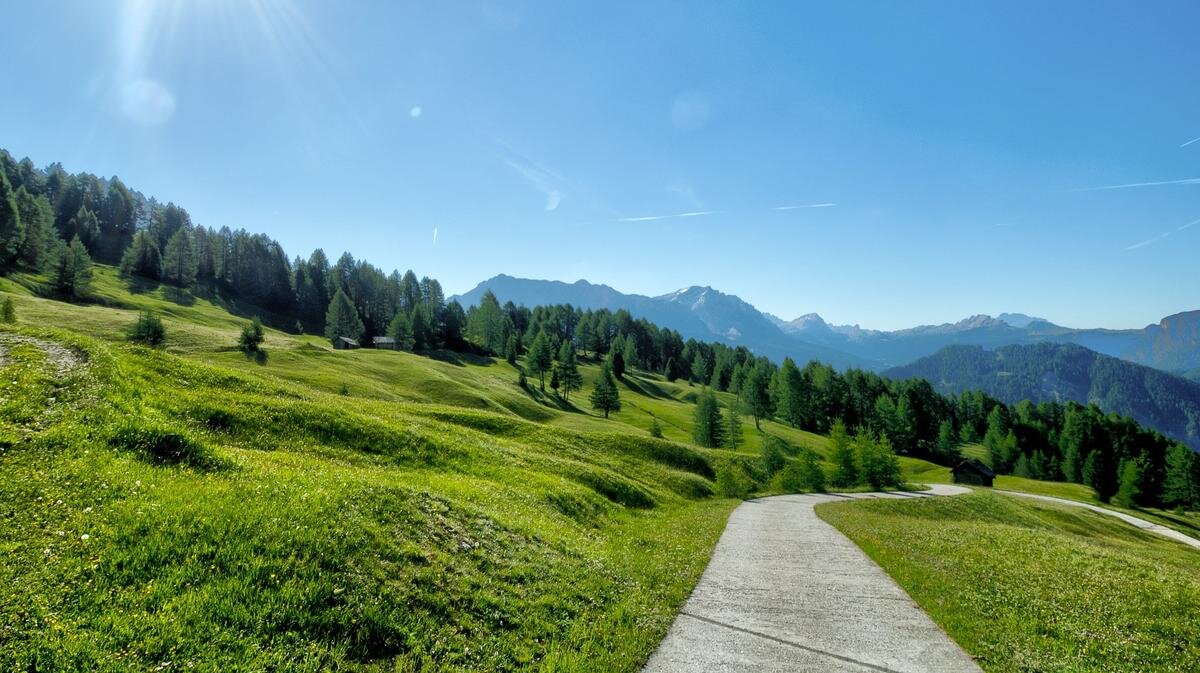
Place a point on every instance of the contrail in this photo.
(1184, 181)
(1190, 142)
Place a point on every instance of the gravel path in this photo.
(786, 591)
(62, 359)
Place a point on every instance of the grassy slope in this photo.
(1033, 587)
(420, 518)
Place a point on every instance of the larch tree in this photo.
(568, 370)
(341, 319)
(605, 396)
(540, 358)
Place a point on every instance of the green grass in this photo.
(245, 515)
(1024, 586)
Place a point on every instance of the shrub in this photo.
(522, 381)
(8, 312)
(733, 482)
(252, 337)
(655, 428)
(774, 457)
(804, 474)
(148, 330)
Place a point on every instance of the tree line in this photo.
(57, 223)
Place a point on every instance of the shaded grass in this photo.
(1033, 587)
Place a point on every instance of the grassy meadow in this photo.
(316, 509)
(1026, 586)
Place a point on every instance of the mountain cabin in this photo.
(344, 343)
(384, 342)
(971, 471)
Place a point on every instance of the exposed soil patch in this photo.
(62, 359)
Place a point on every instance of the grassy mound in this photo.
(1032, 587)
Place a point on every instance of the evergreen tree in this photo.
(341, 319)
(8, 312)
(1181, 487)
(605, 396)
(486, 323)
(1100, 474)
(754, 392)
(878, 464)
(71, 274)
(707, 426)
(141, 258)
(251, 338)
(616, 361)
(12, 233)
(540, 358)
(733, 427)
(554, 382)
(568, 371)
(773, 455)
(1129, 488)
(422, 328)
(179, 261)
(401, 330)
(512, 350)
(842, 455)
(37, 218)
(147, 329)
(787, 393)
(947, 442)
(630, 354)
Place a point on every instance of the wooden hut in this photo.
(345, 343)
(971, 471)
(386, 342)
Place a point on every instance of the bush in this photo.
(252, 337)
(147, 330)
(877, 462)
(8, 312)
(733, 482)
(774, 456)
(802, 475)
(655, 428)
(522, 382)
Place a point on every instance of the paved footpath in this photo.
(786, 591)
(1127, 518)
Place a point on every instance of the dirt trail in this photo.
(62, 359)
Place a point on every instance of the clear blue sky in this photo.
(955, 140)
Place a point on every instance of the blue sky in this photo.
(952, 148)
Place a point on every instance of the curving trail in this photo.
(786, 591)
(1127, 518)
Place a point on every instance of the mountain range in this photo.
(1066, 371)
(1173, 344)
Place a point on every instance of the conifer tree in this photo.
(179, 259)
(422, 328)
(8, 312)
(401, 330)
(540, 358)
(842, 455)
(141, 258)
(568, 370)
(251, 338)
(1129, 488)
(341, 319)
(12, 232)
(733, 426)
(1181, 487)
(605, 396)
(72, 272)
(37, 217)
(708, 426)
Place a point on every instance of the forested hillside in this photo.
(57, 223)
(1062, 372)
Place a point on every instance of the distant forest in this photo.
(56, 223)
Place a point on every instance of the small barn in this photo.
(384, 342)
(971, 471)
(345, 343)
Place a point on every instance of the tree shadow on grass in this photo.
(643, 387)
(178, 295)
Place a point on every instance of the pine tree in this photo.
(147, 329)
(878, 465)
(142, 258)
(733, 427)
(842, 455)
(1129, 488)
(568, 370)
(512, 350)
(554, 382)
(630, 354)
(655, 427)
(605, 396)
(179, 259)
(72, 272)
(1181, 488)
(540, 358)
(341, 319)
(12, 233)
(422, 328)
(401, 330)
(251, 338)
(37, 217)
(707, 427)
(947, 443)
(754, 392)
(1100, 474)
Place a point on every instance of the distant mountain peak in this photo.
(1020, 320)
